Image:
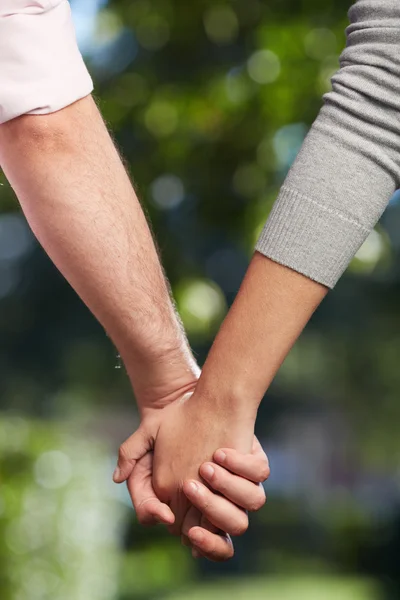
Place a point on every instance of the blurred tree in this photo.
(210, 102)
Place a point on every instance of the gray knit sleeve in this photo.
(349, 165)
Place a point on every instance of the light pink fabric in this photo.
(41, 68)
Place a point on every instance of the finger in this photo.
(180, 506)
(149, 509)
(256, 446)
(213, 545)
(218, 510)
(217, 548)
(192, 519)
(129, 453)
(180, 510)
(244, 493)
(225, 549)
(253, 467)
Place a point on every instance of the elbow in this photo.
(49, 133)
(34, 131)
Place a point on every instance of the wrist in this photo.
(158, 380)
(227, 398)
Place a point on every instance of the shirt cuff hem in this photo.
(310, 238)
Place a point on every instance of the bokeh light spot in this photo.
(264, 66)
(238, 85)
(153, 32)
(167, 191)
(53, 470)
(320, 43)
(108, 27)
(16, 239)
(287, 143)
(328, 69)
(375, 249)
(161, 118)
(202, 306)
(221, 24)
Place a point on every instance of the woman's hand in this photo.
(238, 477)
(183, 435)
(189, 433)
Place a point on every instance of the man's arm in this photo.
(80, 203)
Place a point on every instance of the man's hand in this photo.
(238, 477)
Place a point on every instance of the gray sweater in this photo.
(349, 165)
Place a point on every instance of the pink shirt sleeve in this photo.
(41, 68)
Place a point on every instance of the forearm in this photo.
(335, 193)
(272, 307)
(81, 205)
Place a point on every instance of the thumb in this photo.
(130, 452)
(149, 509)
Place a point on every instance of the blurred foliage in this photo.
(276, 588)
(209, 103)
(58, 521)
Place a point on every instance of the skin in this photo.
(233, 475)
(272, 307)
(80, 204)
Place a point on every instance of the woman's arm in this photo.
(347, 170)
(349, 165)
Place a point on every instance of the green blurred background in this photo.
(209, 102)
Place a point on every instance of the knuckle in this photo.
(264, 472)
(258, 501)
(144, 515)
(161, 489)
(123, 452)
(205, 504)
(241, 526)
(141, 517)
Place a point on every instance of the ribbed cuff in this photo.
(310, 238)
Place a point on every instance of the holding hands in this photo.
(176, 477)
(79, 201)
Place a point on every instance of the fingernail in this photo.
(220, 456)
(197, 537)
(194, 487)
(117, 473)
(207, 471)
